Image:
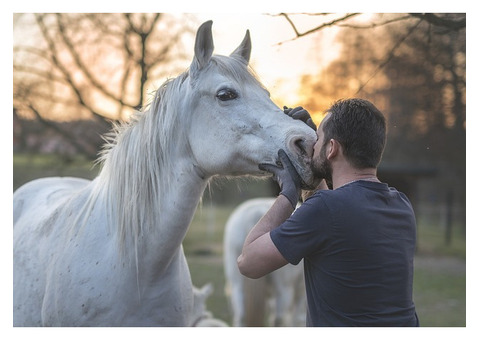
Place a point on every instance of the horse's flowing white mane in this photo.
(137, 159)
(136, 162)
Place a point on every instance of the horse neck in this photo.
(165, 235)
(151, 191)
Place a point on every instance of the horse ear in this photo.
(245, 48)
(203, 45)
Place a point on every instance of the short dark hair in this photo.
(361, 130)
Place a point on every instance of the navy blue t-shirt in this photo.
(358, 244)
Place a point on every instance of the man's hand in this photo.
(286, 176)
(301, 114)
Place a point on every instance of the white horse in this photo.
(108, 252)
(248, 298)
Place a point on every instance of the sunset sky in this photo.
(277, 57)
(278, 60)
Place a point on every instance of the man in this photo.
(357, 240)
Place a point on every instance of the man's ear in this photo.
(333, 149)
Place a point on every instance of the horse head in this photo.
(235, 125)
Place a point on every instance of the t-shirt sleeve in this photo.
(304, 232)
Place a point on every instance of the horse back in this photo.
(44, 194)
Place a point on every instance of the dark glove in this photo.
(286, 176)
(301, 114)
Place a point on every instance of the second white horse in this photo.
(248, 298)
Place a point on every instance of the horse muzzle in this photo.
(300, 152)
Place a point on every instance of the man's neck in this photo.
(352, 175)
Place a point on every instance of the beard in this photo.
(322, 168)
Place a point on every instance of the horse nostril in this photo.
(301, 146)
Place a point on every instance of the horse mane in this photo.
(137, 160)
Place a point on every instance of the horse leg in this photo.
(284, 299)
(236, 300)
(255, 301)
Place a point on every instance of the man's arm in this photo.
(260, 256)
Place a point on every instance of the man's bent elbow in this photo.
(247, 270)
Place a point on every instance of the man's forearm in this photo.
(259, 255)
(276, 215)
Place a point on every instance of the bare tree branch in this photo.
(327, 24)
(389, 56)
(434, 19)
(38, 72)
(83, 68)
(375, 24)
(442, 22)
(63, 69)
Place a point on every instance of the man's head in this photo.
(358, 128)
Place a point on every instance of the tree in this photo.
(427, 101)
(417, 77)
(416, 51)
(355, 66)
(449, 22)
(99, 66)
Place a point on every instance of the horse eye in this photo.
(227, 94)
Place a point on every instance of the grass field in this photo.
(440, 272)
